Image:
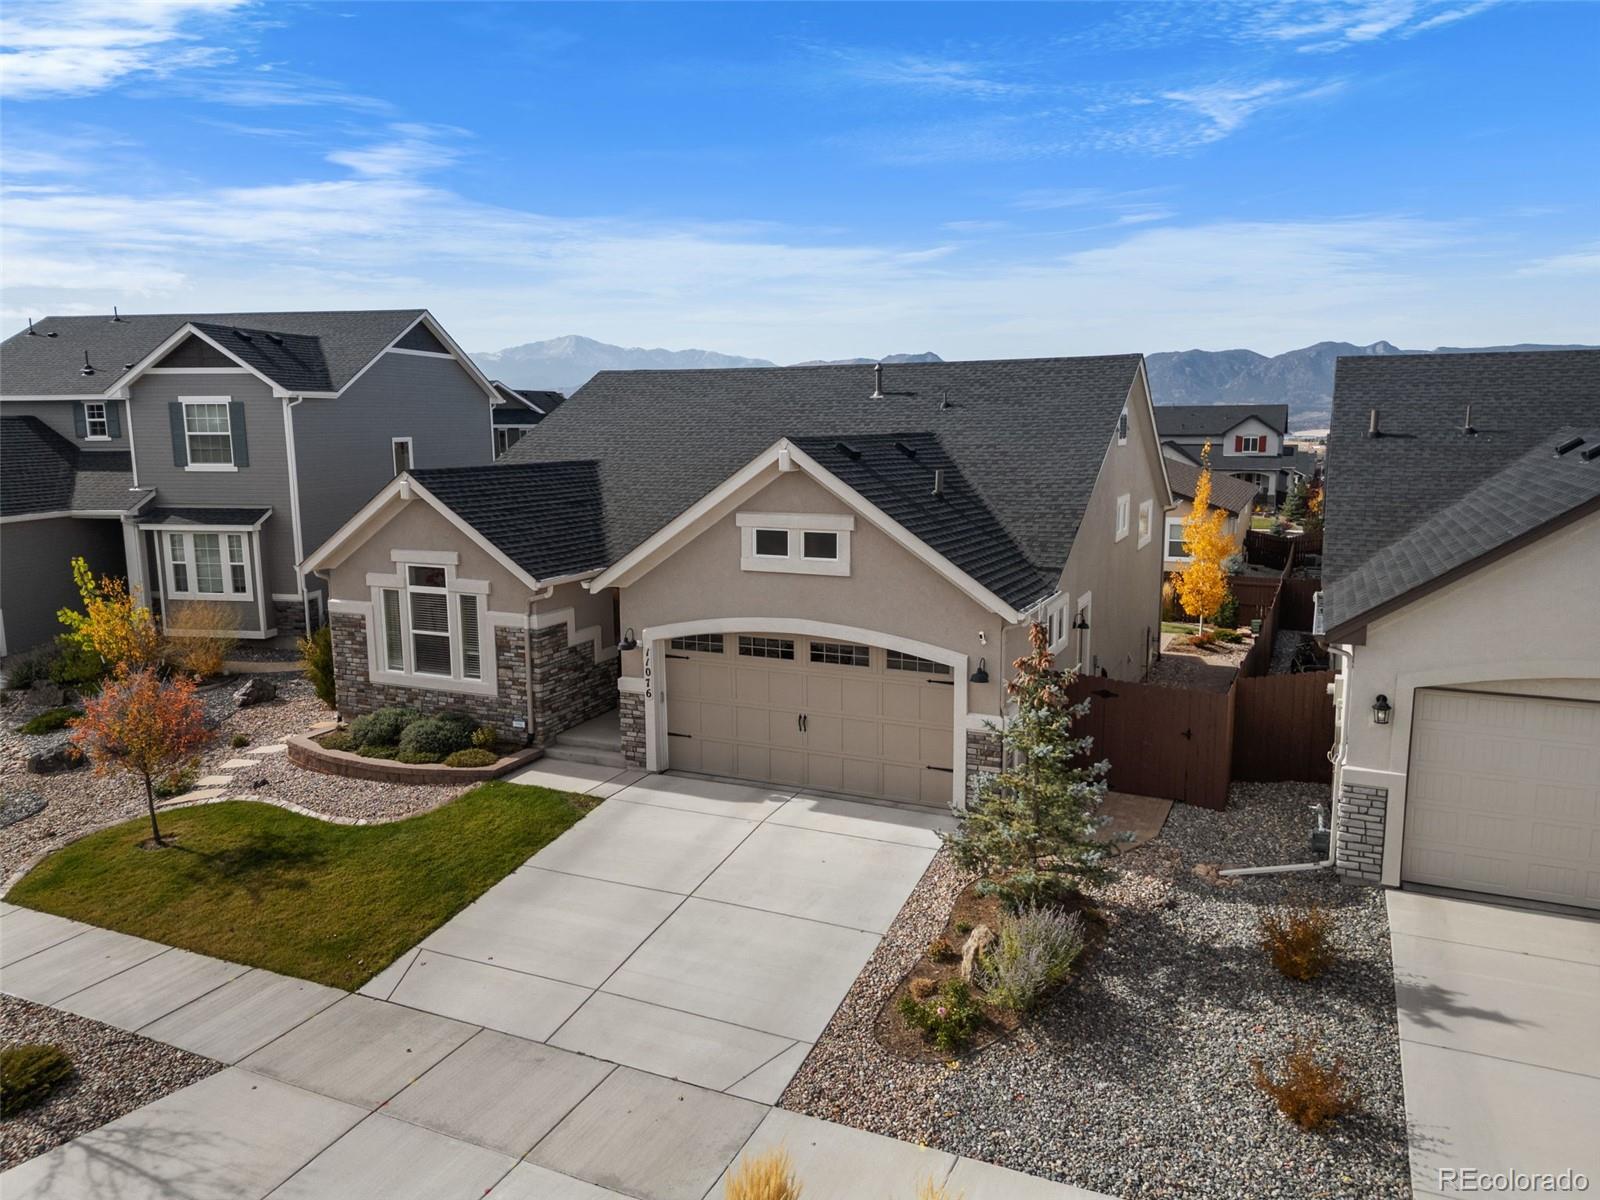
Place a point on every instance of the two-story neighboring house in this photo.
(523, 408)
(201, 455)
(1247, 441)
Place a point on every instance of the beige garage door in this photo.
(807, 712)
(1504, 796)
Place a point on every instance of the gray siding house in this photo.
(810, 576)
(200, 455)
(1247, 442)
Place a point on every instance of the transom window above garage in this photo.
(765, 647)
(900, 661)
(795, 543)
(843, 654)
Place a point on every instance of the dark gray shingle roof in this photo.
(1379, 489)
(548, 518)
(1235, 495)
(524, 406)
(203, 516)
(1028, 435)
(1540, 487)
(321, 351)
(1213, 420)
(41, 471)
(956, 522)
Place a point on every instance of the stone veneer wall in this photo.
(290, 617)
(630, 711)
(357, 694)
(569, 687)
(983, 757)
(1361, 820)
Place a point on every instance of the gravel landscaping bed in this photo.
(1136, 1081)
(1208, 670)
(115, 1073)
(78, 802)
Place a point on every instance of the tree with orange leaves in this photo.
(1203, 584)
(144, 726)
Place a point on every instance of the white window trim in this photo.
(1147, 522)
(1124, 515)
(454, 589)
(188, 453)
(1059, 615)
(188, 533)
(1174, 524)
(89, 422)
(796, 525)
(411, 454)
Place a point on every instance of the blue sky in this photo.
(799, 181)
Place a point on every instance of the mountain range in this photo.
(1302, 379)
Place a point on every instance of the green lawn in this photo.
(259, 885)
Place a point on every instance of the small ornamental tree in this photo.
(1032, 830)
(143, 726)
(113, 625)
(1203, 584)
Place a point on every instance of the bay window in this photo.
(207, 566)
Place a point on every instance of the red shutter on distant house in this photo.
(1238, 443)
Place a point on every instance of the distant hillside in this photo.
(925, 356)
(567, 363)
(1302, 379)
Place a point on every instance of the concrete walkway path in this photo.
(612, 1020)
(1499, 1013)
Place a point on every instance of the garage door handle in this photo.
(685, 657)
(671, 734)
(946, 770)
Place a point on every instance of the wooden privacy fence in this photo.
(1283, 727)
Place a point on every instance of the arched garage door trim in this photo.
(656, 636)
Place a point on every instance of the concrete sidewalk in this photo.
(1499, 1011)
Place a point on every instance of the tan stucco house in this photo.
(1461, 599)
(1234, 496)
(809, 576)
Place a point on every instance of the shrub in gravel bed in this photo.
(485, 737)
(317, 651)
(1036, 949)
(239, 741)
(28, 1074)
(339, 739)
(177, 783)
(25, 670)
(1307, 1090)
(1295, 937)
(50, 720)
(381, 727)
(375, 751)
(435, 736)
(417, 758)
(950, 1017)
(472, 758)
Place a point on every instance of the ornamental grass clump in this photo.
(768, 1176)
(28, 1074)
(1295, 937)
(949, 1017)
(1034, 951)
(1307, 1090)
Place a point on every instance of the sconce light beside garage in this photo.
(628, 642)
(981, 675)
(1082, 623)
(1381, 710)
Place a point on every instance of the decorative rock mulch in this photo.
(1136, 1080)
(114, 1073)
(80, 802)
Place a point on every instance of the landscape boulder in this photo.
(974, 948)
(63, 756)
(255, 691)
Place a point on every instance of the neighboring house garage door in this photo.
(812, 713)
(1504, 796)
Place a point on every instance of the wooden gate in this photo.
(1174, 743)
(1283, 727)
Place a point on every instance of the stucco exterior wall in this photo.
(1122, 577)
(419, 526)
(887, 591)
(1235, 525)
(36, 572)
(1524, 624)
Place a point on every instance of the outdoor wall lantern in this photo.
(1381, 710)
(628, 642)
(981, 675)
(1081, 623)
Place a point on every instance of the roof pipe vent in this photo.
(116, 317)
(938, 481)
(31, 331)
(1566, 447)
(86, 369)
(1467, 427)
(877, 382)
(1372, 424)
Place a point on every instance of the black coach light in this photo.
(1081, 623)
(628, 642)
(981, 675)
(1381, 710)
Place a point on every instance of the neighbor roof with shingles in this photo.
(1027, 435)
(548, 518)
(319, 351)
(203, 516)
(1377, 490)
(41, 471)
(1214, 420)
(1542, 486)
(1235, 495)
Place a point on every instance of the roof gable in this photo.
(43, 472)
(1227, 492)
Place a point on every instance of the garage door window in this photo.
(898, 661)
(763, 647)
(843, 654)
(705, 643)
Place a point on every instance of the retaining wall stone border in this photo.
(306, 753)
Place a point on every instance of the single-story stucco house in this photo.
(1232, 495)
(1461, 600)
(810, 576)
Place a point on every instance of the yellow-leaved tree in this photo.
(1203, 584)
(113, 626)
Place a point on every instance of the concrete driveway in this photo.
(1499, 1041)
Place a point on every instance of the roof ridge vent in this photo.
(846, 449)
(908, 450)
(1566, 447)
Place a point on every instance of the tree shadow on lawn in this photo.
(262, 861)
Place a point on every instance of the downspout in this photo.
(527, 647)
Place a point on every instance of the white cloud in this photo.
(77, 47)
(1224, 107)
(1583, 261)
(1324, 26)
(923, 73)
(411, 150)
